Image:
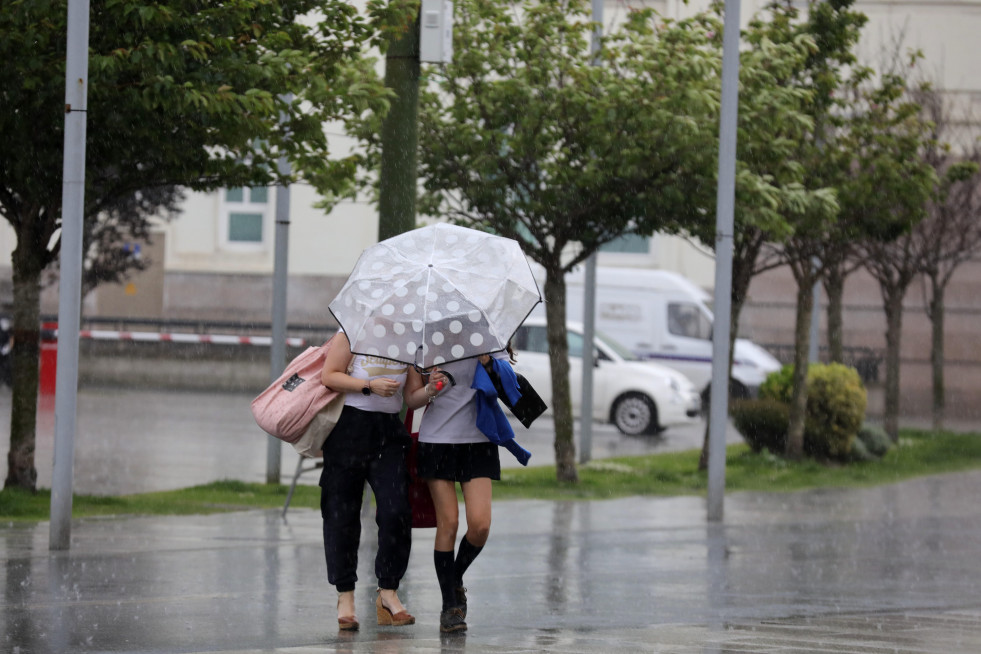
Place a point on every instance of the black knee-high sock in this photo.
(444, 574)
(464, 557)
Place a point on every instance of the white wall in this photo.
(946, 32)
(319, 244)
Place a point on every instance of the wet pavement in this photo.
(886, 569)
(890, 569)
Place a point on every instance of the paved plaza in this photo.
(889, 569)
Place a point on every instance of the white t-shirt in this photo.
(365, 367)
(452, 417)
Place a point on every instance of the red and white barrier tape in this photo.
(150, 337)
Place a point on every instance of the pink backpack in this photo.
(289, 406)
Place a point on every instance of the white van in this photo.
(663, 316)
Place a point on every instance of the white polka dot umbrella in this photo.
(436, 294)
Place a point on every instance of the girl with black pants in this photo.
(369, 445)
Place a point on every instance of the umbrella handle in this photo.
(439, 385)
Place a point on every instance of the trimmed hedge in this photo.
(836, 402)
(762, 423)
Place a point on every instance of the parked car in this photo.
(663, 316)
(638, 397)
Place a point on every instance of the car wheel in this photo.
(634, 414)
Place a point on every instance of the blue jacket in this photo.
(490, 418)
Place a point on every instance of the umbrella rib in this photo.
(421, 351)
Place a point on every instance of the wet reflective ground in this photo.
(891, 569)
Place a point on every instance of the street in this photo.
(135, 441)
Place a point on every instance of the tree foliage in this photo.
(774, 186)
(530, 135)
(833, 27)
(181, 94)
(889, 187)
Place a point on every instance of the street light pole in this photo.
(277, 346)
(589, 299)
(70, 283)
(724, 220)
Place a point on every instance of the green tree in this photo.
(181, 94)
(834, 28)
(950, 235)
(862, 128)
(776, 114)
(524, 134)
(887, 193)
(773, 186)
(785, 202)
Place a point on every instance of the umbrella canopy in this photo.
(436, 294)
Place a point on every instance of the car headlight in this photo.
(675, 385)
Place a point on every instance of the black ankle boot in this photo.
(452, 619)
(461, 599)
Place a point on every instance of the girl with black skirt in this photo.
(453, 450)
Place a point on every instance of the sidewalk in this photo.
(890, 569)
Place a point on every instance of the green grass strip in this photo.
(919, 453)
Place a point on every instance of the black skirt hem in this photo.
(458, 461)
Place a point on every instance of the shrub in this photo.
(859, 452)
(762, 423)
(875, 439)
(836, 402)
(778, 385)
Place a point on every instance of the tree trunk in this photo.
(802, 337)
(746, 252)
(703, 457)
(893, 297)
(397, 182)
(834, 286)
(736, 309)
(558, 349)
(21, 471)
(936, 313)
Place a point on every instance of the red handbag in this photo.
(423, 509)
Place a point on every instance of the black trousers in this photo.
(366, 446)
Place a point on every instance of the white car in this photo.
(638, 397)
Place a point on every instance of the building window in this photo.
(247, 215)
(628, 243)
